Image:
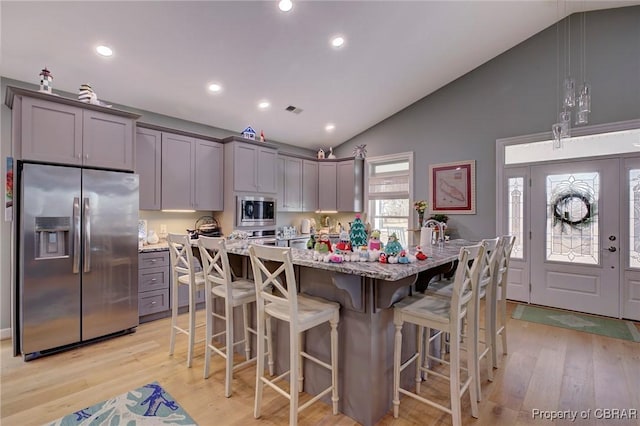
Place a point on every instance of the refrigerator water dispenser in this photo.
(52, 237)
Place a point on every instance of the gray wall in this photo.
(513, 94)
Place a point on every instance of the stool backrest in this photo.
(489, 261)
(502, 267)
(465, 284)
(278, 286)
(181, 256)
(215, 263)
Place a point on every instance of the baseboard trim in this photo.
(5, 333)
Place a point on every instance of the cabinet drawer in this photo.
(153, 279)
(151, 302)
(153, 259)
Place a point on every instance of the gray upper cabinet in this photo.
(350, 185)
(254, 168)
(58, 131)
(148, 166)
(309, 186)
(208, 175)
(191, 173)
(327, 190)
(289, 184)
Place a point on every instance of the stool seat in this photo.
(244, 291)
(311, 311)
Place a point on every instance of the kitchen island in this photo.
(366, 292)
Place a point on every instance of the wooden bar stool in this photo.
(183, 273)
(302, 313)
(446, 316)
(219, 284)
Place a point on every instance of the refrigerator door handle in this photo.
(76, 235)
(87, 235)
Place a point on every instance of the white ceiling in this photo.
(166, 53)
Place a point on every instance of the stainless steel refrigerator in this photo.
(77, 256)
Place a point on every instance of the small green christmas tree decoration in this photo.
(357, 234)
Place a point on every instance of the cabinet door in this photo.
(281, 203)
(177, 171)
(245, 159)
(208, 175)
(345, 186)
(148, 163)
(289, 184)
(51, 132)
(327, 186)
(107, 140)
(267, 167)
(309, 186)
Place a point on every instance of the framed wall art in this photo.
(452, 188)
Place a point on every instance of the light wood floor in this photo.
(547, 368)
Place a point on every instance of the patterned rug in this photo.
(610, 327)
(147, 405)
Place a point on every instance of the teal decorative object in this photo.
(393, 247)
(357, 233)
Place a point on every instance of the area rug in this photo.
(609, 327)
(147, 405)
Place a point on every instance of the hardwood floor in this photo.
(548, 368)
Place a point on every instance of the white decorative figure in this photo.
(331, 153)
(321, 154)
(360, 151)
(46, 81)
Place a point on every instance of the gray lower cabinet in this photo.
(154, 282)
(65, 131)
(192, 173)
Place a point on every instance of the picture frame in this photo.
(452, 188)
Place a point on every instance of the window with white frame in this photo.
(388, 193)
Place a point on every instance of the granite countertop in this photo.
(161, 246)
(436, 256)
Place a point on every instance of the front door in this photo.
(575, 236)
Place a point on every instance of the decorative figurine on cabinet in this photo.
(321, 154)
(249, 133)
(359, 151)
(331, 156)
(262, 139)
(46, 81)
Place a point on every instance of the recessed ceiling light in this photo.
(264, 104)
(215, 87)
(330, 127)
(285, 5)
(104, 50)
(337, 41)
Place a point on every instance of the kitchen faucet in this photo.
(441, 227)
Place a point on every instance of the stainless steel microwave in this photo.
(255, 211)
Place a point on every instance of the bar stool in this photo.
(302, 313)
(183, 273)
(486, 291)
(499, 310)
(446, 316)
(240, 292)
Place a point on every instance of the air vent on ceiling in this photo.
(293, 109)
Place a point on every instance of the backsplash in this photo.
(177, 223)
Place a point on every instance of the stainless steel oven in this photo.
(255, 211)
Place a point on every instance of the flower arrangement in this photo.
(420, 206)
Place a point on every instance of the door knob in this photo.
(612, 249)
(612, 237)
